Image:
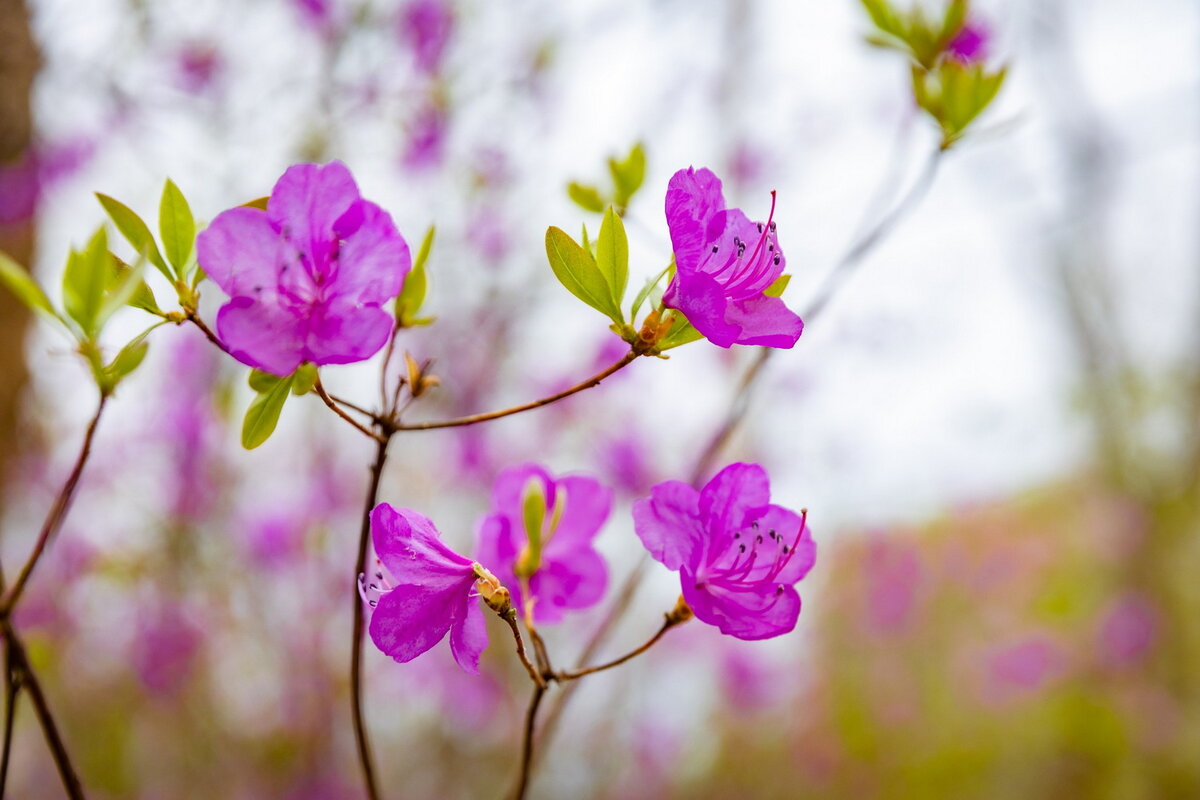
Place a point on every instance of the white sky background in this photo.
(940, 375)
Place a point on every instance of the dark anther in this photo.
(372, 603)
(771, 248)
(772, 227)
(741, 548)
(754, 524)
(759, 539)
(715, 248)
(771, 534)
(779, 589)
(257, 288)
(760, 227)
(379, 576)
(738, 535)
(776, 260)
(785, 549)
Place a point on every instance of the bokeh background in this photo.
(994, 424)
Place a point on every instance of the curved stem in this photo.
(522, 785)
(456, 422)
(30, 683)
(534, 674)
(668, 623)
(356, 687)
(58, 513)
(191, 316)
(11, 688)
(333, 406)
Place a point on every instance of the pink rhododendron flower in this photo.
(1128, 629)
(421, 590)
(198, 65)
(724, 263)
(969, 45)
(425, 26)
(426, 145)
(568, 573)
(308, 277)
(737, 555)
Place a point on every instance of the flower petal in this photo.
(802, 548)
(262, 334)
(575, 580)
(693, 197)
(309, 199)
(373, 258)
(411, 618)
(703, 302)
(746, 615)
(508, 491)
(240, 252)
(587, 506)
(409, 546)
(468, 635)
(341, 332)
(497, 550)
(668, 523)
(735, 497)
(765, 321)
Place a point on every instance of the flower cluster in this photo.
(309, 276)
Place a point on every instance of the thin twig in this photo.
(356, 688)
(335, 408)
(58, 513)
(456, 422)
(192, 317)
(12, 687)
(668, 623)
(522, 785)
(535, 675)
(30, 683)
(341, 401)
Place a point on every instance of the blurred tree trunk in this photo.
(19, 63)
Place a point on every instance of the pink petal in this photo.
(410, 618)
(241, 252)
(468, 636)
(745, 615)
(409, 546)
(262, 335)
(764, 321)
(693, 197)
(572, 580)
(374, 259)
(343, 333)
(734, 497)
(703, 302)
(309, 199)
(588, 504)
(668, 523)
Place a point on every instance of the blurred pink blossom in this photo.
(1128, 629)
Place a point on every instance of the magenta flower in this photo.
(421, 590)
(969, 45)
(564, 570)
(307, 278)
(425, 26)
(737, 555)
(724, 263)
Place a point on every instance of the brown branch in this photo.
(333, 406)
(356, 688)
(58, 513)
(456, 422)
(522, 785)
(671, 620)
(12, 686)
(30, 684)
(191, 316)
(534, 674)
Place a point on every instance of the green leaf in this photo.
(121, 289)
(142, 297)
(777, 288)
(681, 333)
(135, 231)
(647, 289)
(577, 271)
(304, 378)
(126, 361)
(263, 381)
(628, 175)
(263, 414)
(533, 514)
(612, 256)
(586, 197)
(84, 281)
(22, 284)
(952, 23)
(177, 227)
(416, 285)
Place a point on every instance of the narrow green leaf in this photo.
(586, 197)
(263, 414)
(577, 271)
(952, 23)
(612, 256)
(176, 226)
(84, 281)
(22, 284)
(135, 231)
(126, 361)
(142, 297)
(628, 175)
(416, 284)
(647, 289)
(120, 289)
(777, 288)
